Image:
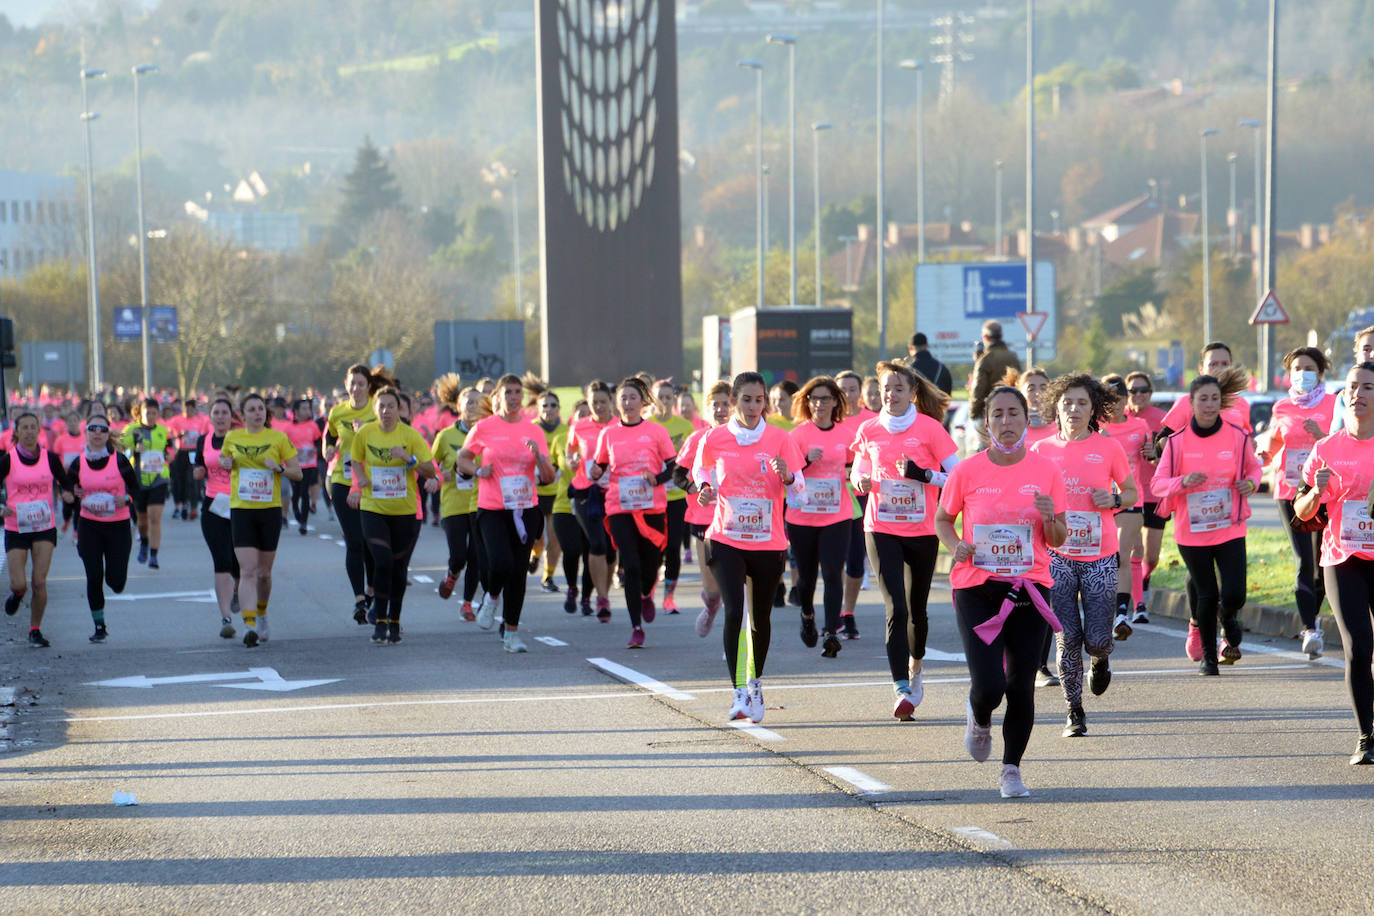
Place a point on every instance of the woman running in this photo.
(215, 526)
(1133, 434)
(1032, 383)
(148, 440)
(1208, 471)
(550, 422)
(589, 499)
(1097, 483)
(257, 457)
(856, 560)
(344, 419)
(1011, 505)
(698, 517)
(304, 434)
(679, 428)
(1299, 421)
(103, 484)
(901, 457)
(388, 456)
(1145, 557)
(29, 471)
(457, 496)
(572, 543)
(514, 462)
(68, 446)
(1339, 475)
(820, 521)
(745, 467)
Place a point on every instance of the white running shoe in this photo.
(486, 614)
(918, 688)
(977, 738)
(1313, 642)
(739, 709)
(1122, 631)
(863, 586)
(755, 700)
(705, 619)
(262, 626)
(513, 643)
(1012, 786)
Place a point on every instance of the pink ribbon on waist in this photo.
(989, 629)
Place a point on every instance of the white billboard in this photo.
(953, 301)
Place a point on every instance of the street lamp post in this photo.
(92, 280)
(880, 230)
(1206, 248)
(1232, 218)
(816, 128)
(997, 217)
(920, 157)
(1257, 238)
(515, 232)
(757, 67)
(1030, 173)
(138, 71)
(791, 44)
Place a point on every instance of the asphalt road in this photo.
(443, 774)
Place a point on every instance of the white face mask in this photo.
(1304, 379)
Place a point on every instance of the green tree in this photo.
(369, 190)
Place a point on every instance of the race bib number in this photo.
(462, 483)
(901, 501)
(516, 492)
(1085, 534)
(1209, 510)
(99, 505)
(746, 519)
(822, 495)
(388, 483)
(635, 493)
(1357, 531)
(1003, 550)
(152, 463)
(307, 456)
(190, 438)
(33, 516)
(220, 505)
(1293, 460)
(255, 485)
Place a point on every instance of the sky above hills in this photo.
(32, 12)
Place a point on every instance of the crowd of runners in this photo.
(1052, 521)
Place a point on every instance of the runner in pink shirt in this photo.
(515, 461)
(636, 457)
(1145, 557)
(1032, 382)
(1216, 358)
(305, 434)
(698, 517)
(901, 458)
(68, 446)
(856, 560)
(1206, 475)
(1097, 482)
(1011, 505)
(744, 467)
(1338, 475)
(589, 499)
(1299, 421)
(1136, 441)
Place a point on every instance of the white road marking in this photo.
(266, 679)
(858, 779)
(935, 655)
(620, 672)
(1249, 647)
(979, 835)
(426, 579)
(200, 593)
(758, 731)
(550, 641)
(325, 537)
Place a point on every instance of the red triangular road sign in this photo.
(1033, 322)
(1269, 311)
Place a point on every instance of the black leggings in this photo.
(854, 562)
(219, 537)
(821, 548)
(1308, 588)
(1350, 586)
(904, 566)
(590, 510)
(104, 548)
(746, 651)
(574, 545)
(180, 472)
(639, 559)
(677, 526)
(459, 530)
(390, 541)
(1007, 667)
(1204, 564)
(507, 556)
(300, 494)
(357, 558)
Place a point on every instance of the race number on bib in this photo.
(1209, 510)
(635, 493)
(822, 495)
(255, 485)
(901, 501)
(462, 483)
(99, 505)
(307, 456)
(388, 483)
(1293, 460)
(1085, 534)
(152, 463)
(746, 519)
(516, 492)
(1003, 550)
(190, 438)
(33, 516)
(1357, 531)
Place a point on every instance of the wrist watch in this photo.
(1116, 500)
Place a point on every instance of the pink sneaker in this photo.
(636, 638)
(1194, 643)
(603, 610)
(670, 604)
(647, 609)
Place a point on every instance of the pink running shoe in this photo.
(603, 610)
(647, 609)
(670, 604)
(1194, 642)
(636, 638)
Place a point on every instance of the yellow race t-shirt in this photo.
(251, 485)
(457, 496)
(340, 426)
(392, 483)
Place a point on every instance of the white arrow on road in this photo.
(267, 679)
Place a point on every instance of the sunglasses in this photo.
(1140, 391)
(97, 429)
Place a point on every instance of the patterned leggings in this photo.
(1095, 582)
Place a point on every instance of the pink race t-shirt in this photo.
(630, 451)
(1154, 420)
(1040, 433)
(826, 499)
(749, 494)
(1212, 512)
(696, 514)
(582, 438)
(305, 436)
(896, 504)
(1131, 433)
(1238, 414)
(1291, 443)
(68, 446)
(1349, 531)
(501, 446)
(1094, 463)
(999, 518)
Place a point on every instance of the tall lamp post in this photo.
(757, 67)
(997, 216)
(1206, 248)
(1232, 217)
(92, 280)
(816, 128)
(1030, 173)
(138, 71)
(1257, 126)
(791, 44)
(880, 230)
(920, 157)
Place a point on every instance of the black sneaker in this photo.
(1364, 751)
(36, 640)
(831, 647)
(1045, 677)
(548, 586)
(250, 639)
(12, 603)
(1208, 668)
(393, 635)
(379, 633)
(1077, 724)
(780, 596)
(1100, 677)
(360, 613)
(570, 602)
(303, 530)
(586, 606)
(152, 562)
(534, 563)
(143, 552)
(851, 630)
(809, 636)
(99, 634)
(793, 598)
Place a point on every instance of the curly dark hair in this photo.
(1100, 396)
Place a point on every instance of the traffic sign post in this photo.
(1270, 311)
(1033, 322)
